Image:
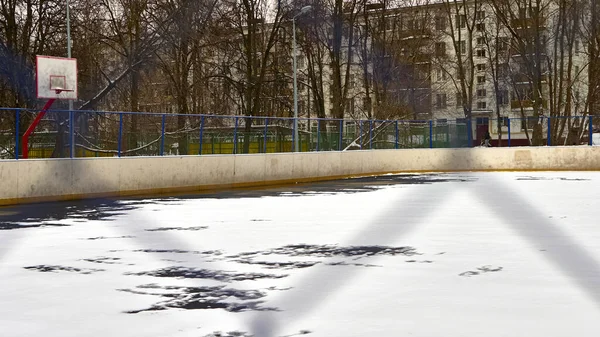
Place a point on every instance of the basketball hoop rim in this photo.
(58, 91)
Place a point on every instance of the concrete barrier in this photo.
(60, 179)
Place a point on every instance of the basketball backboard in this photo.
(56, 77)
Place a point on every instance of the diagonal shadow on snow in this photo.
(560, 249)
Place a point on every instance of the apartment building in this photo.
(497, 62)
(502, 63)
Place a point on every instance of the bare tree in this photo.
(525, 21)
(183, 42)
(255, 24)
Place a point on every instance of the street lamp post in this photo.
(71, 114)
(304, 10)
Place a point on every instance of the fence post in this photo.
(162, 135)
(360, 133)
(318, 133)
(120, 135)
(469, 132)
(265, 135)
(235, 136)
(201, 135)
(341, 134)
(590, 131)
(508, 121)
(370, 134)
(71, 134)
(294, 125)
(17, 121)
(430, 134)
(397, 135)
(548, 133)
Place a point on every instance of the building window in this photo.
(461, 21)
(533, 11)
(504, 121)
(481, 93)
(351, 81)
(350, 106)
(480, 52)
(502, 44)
(481, 67)
(480, 79)
(441, 75)
(503, 70)
(440, 49)
(522, 13)
(300, 61)
(440, 23)
(481, 105)
(422, 73)
(503, 97)
(482, 121)
(440, 101)
(480, 27)
(458, 100)
(480, 15)
(481, 40)
(463, 47)
(576, 45)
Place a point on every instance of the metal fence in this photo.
(61, 134)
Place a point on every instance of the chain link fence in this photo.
(118, 134)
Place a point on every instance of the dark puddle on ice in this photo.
(55, 268)
(104, 260)
(480, 270)
(178, 251)
(346, 186)
(279, 265)
(46, 214)
(320, 251)
(234, 300)
(164, 229)
(332, 251)
(197, 298)
(245, 334)
(109, 237)
(193, 273)
(14, 225)
(352, 264)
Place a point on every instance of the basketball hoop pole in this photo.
(36, 121)
(71, 114)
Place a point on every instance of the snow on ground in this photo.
(471, 254)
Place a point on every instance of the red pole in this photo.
(36, 121)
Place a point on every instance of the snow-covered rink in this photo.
(466, 254)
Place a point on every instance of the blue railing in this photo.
(102, 134)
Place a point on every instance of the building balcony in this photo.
(529, 50)
(529, 22)
(419, 58)
(526, 103)
(523, 78)
(408, 34)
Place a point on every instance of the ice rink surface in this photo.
(469, 254)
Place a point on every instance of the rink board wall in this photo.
(62, 179)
